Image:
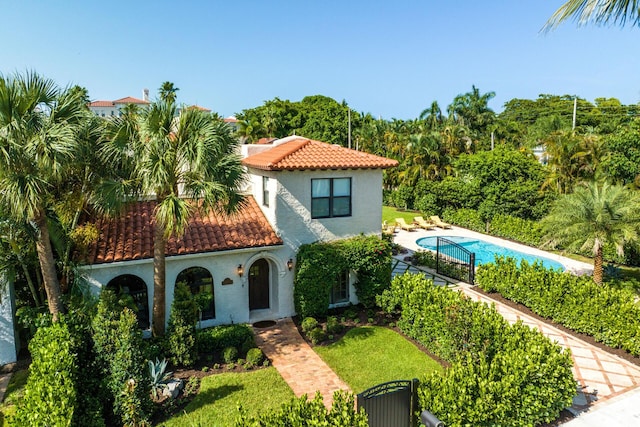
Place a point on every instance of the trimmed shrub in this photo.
(309, 324)
(230, 354)
(317, 335)
(467, 218)
(255, 356)
(608, 314)
(181, 332)
(220, 337)
(247, 345)
(424, 258)
(333, 326)
(500, 374)
(522, 230)
(301, 412)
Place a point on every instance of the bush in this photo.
(181, 332)
(301, 412)
(220, 337)
(50, 395)
(500, 374)
(255, 356)
(230, 355)
(247, 345)
(317, 335)
(608, 314)
(424, 258)
(333, 326)
(467, 218)
(522, 230)
(309, 324)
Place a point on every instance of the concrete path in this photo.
(620, 411)
(4, 382)
(297, 363)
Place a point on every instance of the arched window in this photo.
(200, 281)
(135, 287)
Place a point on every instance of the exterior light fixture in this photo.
(240, 270)
(290, 264)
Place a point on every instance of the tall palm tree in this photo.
(593, 216)
(188, 163)
(37, 144)
(597, 11)
(168, 91)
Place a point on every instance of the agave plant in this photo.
(159, 378)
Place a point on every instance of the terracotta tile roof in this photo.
(130, 236)
(130, 100)
(301, 153)
(230, 119)
(101, 104)
(197, 107)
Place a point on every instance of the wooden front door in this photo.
(259, 285)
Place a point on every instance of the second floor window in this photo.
(330, 197)
(265, 191)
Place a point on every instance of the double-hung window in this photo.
(330, 197)
(340, 289)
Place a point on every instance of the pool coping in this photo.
(408, 240)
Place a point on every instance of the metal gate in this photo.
(452, 260)
(391, 404)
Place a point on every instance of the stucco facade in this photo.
(8, 337)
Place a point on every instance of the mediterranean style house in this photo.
(299, 191)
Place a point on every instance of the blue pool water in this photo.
(486, 252)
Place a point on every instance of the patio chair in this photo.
(388, 228)
(404, 226)
(439, 223)
(422, 223)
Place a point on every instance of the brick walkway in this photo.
(600, 375)
(297, 363)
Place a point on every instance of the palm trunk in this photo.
(597, 266)
(159, 281)
(48, 268)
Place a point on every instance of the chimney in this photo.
(145, 94)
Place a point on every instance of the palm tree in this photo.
(168, 92)
(37, 143)
(188, 163)
(593, 216)
(597, 11)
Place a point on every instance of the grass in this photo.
(370, 355)
(390, 214)
(221, 394)
(15, 391)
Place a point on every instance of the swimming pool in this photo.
(486, 252)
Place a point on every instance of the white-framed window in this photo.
(265, 191)
(330, 197)
(340, 289)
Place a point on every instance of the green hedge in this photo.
(521, 230)
(319, 264)
(220, 337)
(500, 374)
(467, 218)
(608, 314)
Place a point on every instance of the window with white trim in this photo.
(340, 289)
(330, 197)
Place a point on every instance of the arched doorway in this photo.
(132, 285)
(259, 295)
(200, 282)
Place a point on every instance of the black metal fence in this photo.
(392, 404)
(452, 260)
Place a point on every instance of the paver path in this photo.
(600, 374)
(4, 382)
(297, 363)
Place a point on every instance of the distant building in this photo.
(112, 108)
(233, 123)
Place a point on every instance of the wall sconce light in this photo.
(240, 270)
(290, 264)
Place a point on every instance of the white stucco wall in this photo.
(290, 215)
(231, 301)
(8, 337)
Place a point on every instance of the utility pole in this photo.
(575, 108)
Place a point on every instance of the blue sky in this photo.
(387, 58)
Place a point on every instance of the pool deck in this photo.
(408, 240)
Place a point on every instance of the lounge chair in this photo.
(403, 224)
(439, 223)
(422, 223)
(388, 228)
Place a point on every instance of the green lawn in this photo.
(216, 403)
(390, 214)
(370, 355)
(14, 393)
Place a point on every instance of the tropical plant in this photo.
(597, 11)
(591, 217)
(159, 378)
(38, 124)
(168, 91)
(193, 155)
